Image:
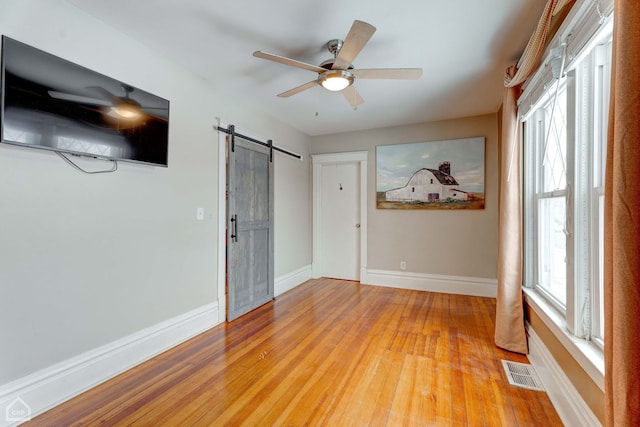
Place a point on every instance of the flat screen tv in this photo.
(53, 104)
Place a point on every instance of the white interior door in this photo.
(340, 216)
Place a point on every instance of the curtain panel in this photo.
(622, 223)
(509, 328)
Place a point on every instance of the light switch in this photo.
(200, 214)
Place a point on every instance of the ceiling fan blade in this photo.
(358, 36)
(352, 96)
(78, 98)
(388, 73)
(288, 61)
(298, 89)
(104, 93)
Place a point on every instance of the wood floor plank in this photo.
(328, 352)
(343, 365)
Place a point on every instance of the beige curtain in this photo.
(509, 329)
(622, 223)
(509, 332)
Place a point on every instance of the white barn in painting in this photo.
(429, 185)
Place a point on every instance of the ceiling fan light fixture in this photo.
(127, 109)
(125, 113)
(335, 80)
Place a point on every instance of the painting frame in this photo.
(445, 174)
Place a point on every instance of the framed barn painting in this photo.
(431, 175)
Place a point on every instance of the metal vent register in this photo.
(522, 375)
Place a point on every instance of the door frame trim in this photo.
(318, 161)
(222, 223)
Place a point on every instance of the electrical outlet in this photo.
(200, 214)
(403, 265)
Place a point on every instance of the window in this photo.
(549, 131)
(565, 133)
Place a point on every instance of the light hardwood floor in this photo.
(330, 353)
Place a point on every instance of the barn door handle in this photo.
(234, 228)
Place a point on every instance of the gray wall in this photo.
(86, 260)
(455, 243)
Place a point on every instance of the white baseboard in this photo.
(290, 280)
(42, 390)
(571, 407)
(434, 283)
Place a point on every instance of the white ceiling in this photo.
(463, 47)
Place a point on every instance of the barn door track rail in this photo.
(232, 132)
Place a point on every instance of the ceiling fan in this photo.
(338, 73)
(120, 107)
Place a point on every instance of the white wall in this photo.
(292, 212)
(435, 242)
(86, 260)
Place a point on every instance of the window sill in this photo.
(587, 355)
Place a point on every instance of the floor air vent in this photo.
(522, 375)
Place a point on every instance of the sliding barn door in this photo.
(249, 227)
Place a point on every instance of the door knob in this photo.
(357, 225)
